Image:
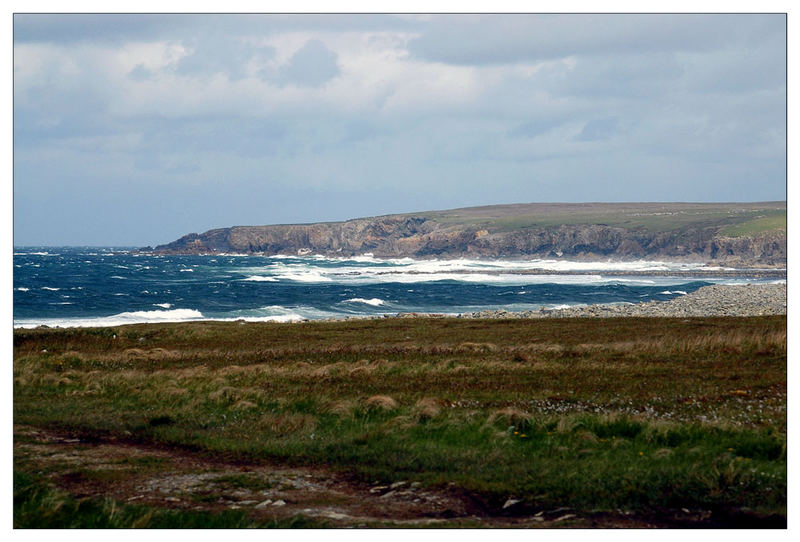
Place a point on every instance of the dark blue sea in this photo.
(91, 286)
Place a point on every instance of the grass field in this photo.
(772, 221)
(736, 219)
(579, 422)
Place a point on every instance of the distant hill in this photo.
(752, 234)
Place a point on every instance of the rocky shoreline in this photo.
(715, 300)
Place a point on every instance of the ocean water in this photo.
(91, 286)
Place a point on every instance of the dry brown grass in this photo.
(477, 347)
(244, 405)
(225, 394)
(176, 392)
(427, 408)
(509, 416)
(282, 424)
(381, 402)
(342, 408)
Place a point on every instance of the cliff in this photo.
(751, 234)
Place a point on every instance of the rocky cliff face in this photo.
(421, 237)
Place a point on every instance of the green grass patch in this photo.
(773, 221)
(666, 217)
(38, 505)
(598, 415)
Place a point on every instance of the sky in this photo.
(133, 130)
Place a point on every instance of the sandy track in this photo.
(178, 479)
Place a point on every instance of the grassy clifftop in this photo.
(737, 219)
(751, 234)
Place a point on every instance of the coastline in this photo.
(708, 301)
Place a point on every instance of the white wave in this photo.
(461, 264)
(260, 278)
(375, 302)
(274, 318)
(281, 257)
(163, 305)
(116, 277)
(35, 254)
(51, 289)
(306, 276)
(668, 292)
(278, 313)
(186, 270)
(560, 306)
(366, 269)
(136, 317)
(22, 289)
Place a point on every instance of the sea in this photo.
(110, 286)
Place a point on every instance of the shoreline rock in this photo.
(587, 231)
(714, 300)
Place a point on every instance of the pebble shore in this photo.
(715, 300)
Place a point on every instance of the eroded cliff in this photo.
(625, 231)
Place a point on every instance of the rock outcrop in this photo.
(423, 236)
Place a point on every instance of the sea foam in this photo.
(375, 302)
(135, 317)
(260, 278)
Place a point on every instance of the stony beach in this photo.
(715, 300)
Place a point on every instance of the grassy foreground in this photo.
(647, 417)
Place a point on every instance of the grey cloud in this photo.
(633, 76)
(230, 135)
(105, 27)
(221, 54)
(639, 108)
(598, 129)
(116, 27)
(140, 73)
(535, 128)
(312, 65)
(502, 39)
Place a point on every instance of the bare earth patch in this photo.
(177, 479)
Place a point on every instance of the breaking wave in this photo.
(135, 317)
(375, 302)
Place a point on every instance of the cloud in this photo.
(598, 129)
(227, 55)
(500, 39)
(140, 73)
(115, 28)
(94, 28)
(535, 128)
(411, 112)
(312, 65)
